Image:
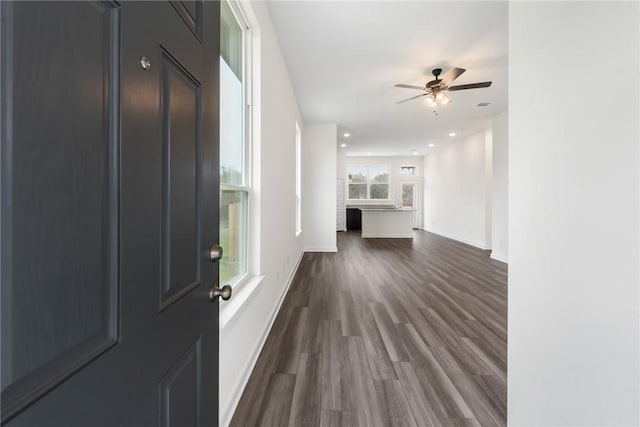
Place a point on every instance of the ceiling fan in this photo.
(436, 90)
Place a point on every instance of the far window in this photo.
(369, 182)
(407, 170)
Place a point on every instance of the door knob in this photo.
(224, 292)
(145, 63)
(215, 253)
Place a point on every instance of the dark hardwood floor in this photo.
(386, 332)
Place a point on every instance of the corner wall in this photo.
(456, 190)
(574, 217)
(500, 186)
(319, 159)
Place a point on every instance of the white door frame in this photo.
(417, 201)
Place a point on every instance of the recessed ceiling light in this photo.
(452, 134)
(369, 153)
(431, 145)
(415, 153)
(343, 145)
(347, 135)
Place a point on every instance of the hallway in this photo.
(386, 332)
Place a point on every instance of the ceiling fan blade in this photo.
(409, 86)
(470, 86)
(413, 97)
(451, 75)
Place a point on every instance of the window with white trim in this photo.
(407, 170)
(235, 177)
(368, 182)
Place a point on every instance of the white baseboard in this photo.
(322, 249)
(459, 239)
(388, 236)
(227, 413)
(500, 257)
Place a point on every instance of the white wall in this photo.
(488, 186)
(574, 213)
(319, 157)
(500, 168)
(455, 189)
(341, 171)
(246, 319)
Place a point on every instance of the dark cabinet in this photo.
(354, 219)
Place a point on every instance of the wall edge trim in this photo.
(321, 249)
(459, 239)
(500, 257)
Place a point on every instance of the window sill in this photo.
(242, 292)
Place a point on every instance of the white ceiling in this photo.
(345, 57)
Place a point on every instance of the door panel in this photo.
(191, 12)
(182, 123)
(59, 199)
(180, 402)
(109, 205)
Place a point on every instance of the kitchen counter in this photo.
(388, 209)
(387, 223)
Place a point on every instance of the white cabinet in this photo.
(387, 223)
(340, 212)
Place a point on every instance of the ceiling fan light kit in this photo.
(436, 91)
(442, 98)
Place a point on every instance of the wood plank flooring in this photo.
(386, 332)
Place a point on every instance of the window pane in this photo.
(379, 174)
(230, 40)
(232, 152)
(357, 191)
(379, 191)
(233, 235)
(407, 194)
(231, 127)
(408, 170)
(357, 174)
